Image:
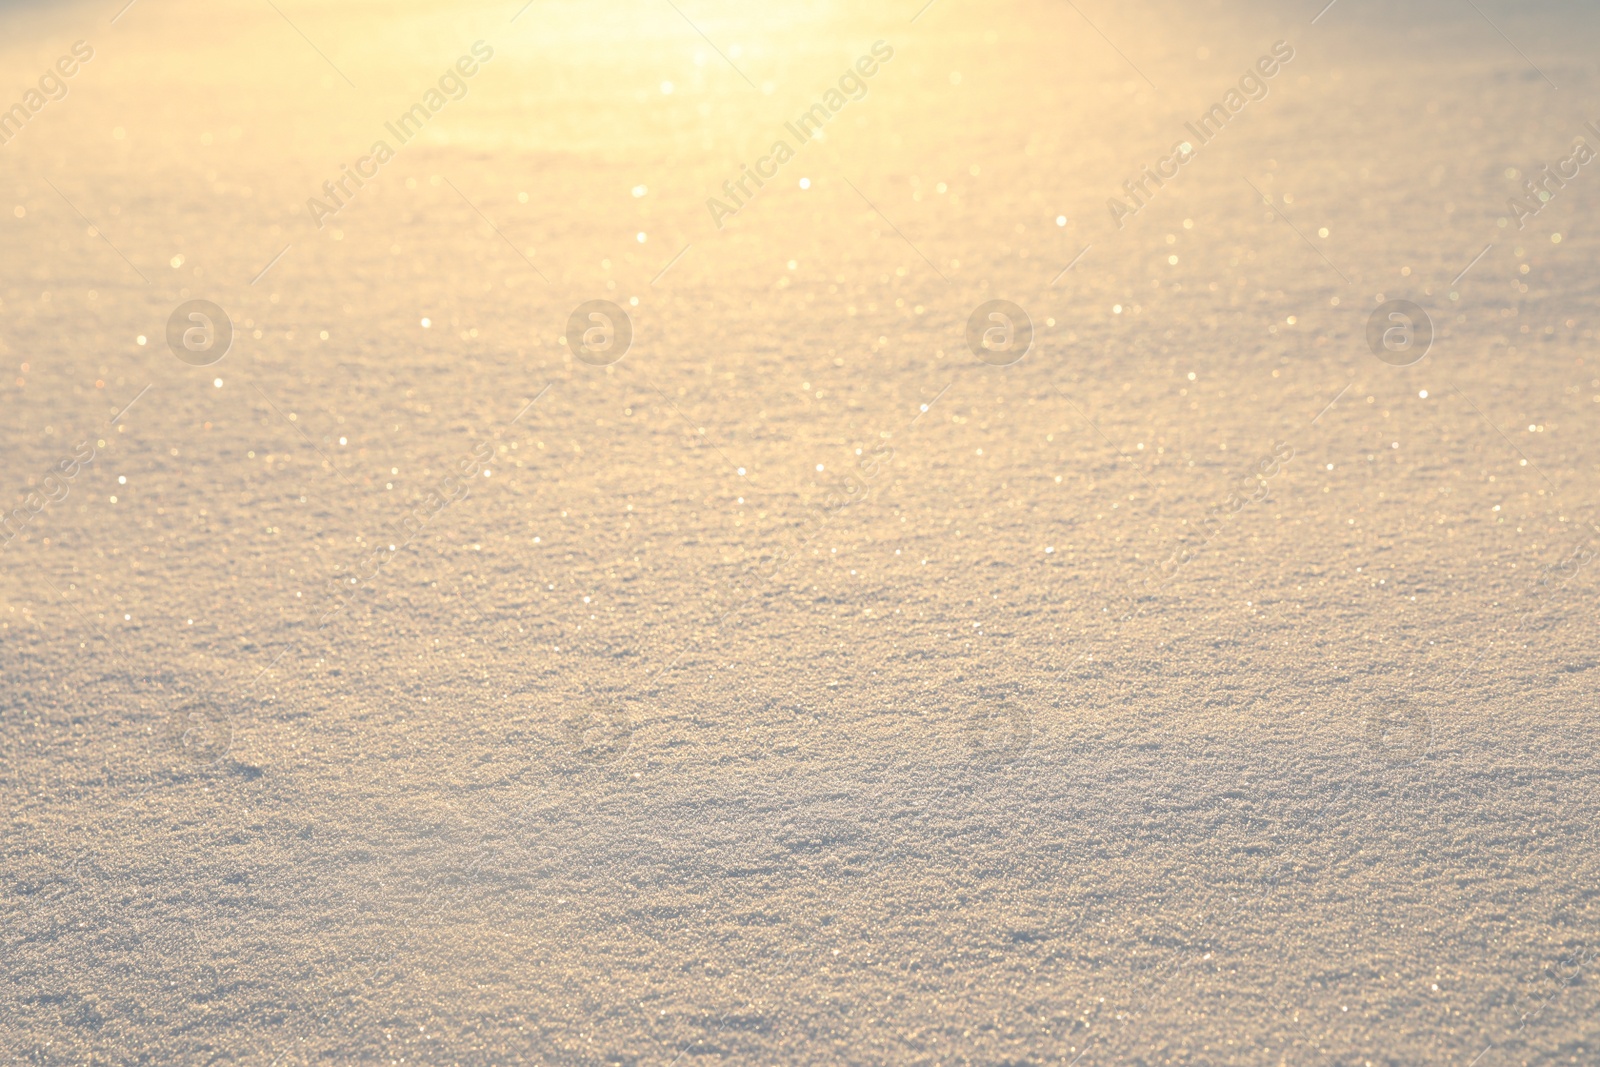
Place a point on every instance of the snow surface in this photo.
(799, 688)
